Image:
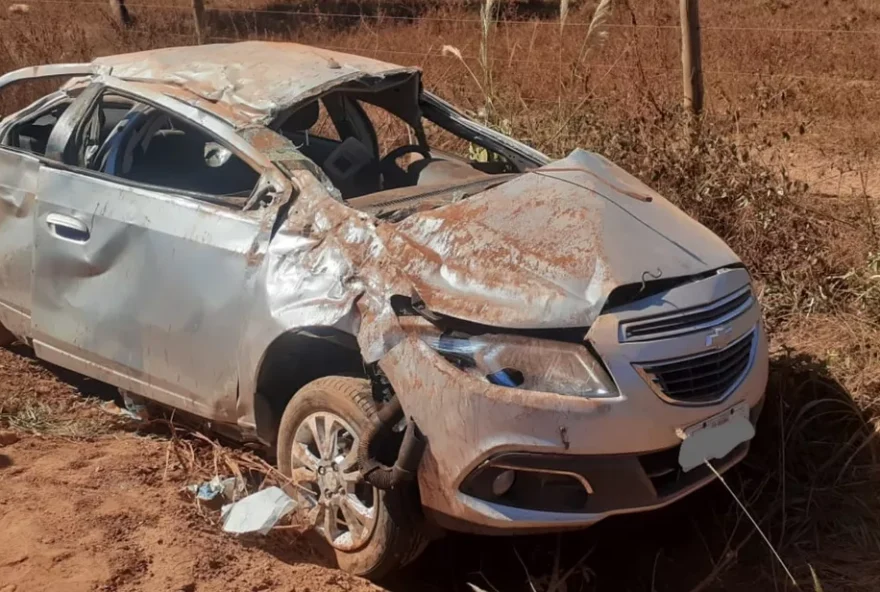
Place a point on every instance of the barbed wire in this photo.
(834, 79)
(496, 59)
(430, 53)
(534, 22)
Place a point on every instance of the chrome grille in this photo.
(689, 320)
(703, 379)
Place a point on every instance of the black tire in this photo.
(397, 537)
(6, 338)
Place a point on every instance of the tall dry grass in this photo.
(573, 75)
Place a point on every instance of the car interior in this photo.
(374, 149)
(146, 145)
(370, 143)
(32, 135)
(142, 144)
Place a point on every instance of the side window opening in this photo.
(391, 131)
(32, 134)
(143, 144)
(37, 104)
(334, 133)
(310, 122)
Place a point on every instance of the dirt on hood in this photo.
(547, 248)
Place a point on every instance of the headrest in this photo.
(303, 118)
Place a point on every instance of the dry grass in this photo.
(33, 401)
(36, 417)
(773, 97)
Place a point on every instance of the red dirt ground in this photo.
(102, 514)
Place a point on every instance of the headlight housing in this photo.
(525, 363)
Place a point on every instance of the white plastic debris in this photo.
(258, 512)
(133, 407)
(230, 488)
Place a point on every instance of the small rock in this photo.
(7, 438)
(190, 587)
(17, 9)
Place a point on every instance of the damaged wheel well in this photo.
(292, 361)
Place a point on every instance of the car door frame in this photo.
(272, 181)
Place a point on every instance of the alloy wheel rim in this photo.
(342, 506)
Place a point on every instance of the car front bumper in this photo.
(620, 452)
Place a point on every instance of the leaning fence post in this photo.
(198, 8)
(691, 60)
(120, 12)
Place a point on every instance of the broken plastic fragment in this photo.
(230, 488)
(134, 406)
(133, 409)
(258, 512)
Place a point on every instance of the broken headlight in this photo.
(526, 363)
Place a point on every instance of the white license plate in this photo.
(715, 437)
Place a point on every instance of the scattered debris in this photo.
(230, 488)
(134, 408)
(258, 512)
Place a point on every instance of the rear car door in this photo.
(18, 188)
(22, 147)
(140, 267)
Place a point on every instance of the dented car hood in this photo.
(546, 249)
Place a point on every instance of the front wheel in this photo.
(372, 532)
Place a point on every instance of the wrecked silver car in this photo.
(424, 340)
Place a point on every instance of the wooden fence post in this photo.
(120, 12)
(198, 8)
(691, 60)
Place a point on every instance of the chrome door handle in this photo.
(68, 228)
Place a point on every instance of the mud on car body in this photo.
(284, 241)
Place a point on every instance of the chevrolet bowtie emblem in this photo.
(719, 337)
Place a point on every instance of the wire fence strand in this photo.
(474, 21)
(430, 53)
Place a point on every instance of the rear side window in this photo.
(147, 145)
(31, 134)
(42, 104)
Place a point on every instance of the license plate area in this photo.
(715, 437)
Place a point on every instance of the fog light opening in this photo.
(503, 482)
(506, 377)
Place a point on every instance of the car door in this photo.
(18, 188)
(136, 282)
(19, 168)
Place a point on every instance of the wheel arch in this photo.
(294, 359)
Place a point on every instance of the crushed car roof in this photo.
(256, 78)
